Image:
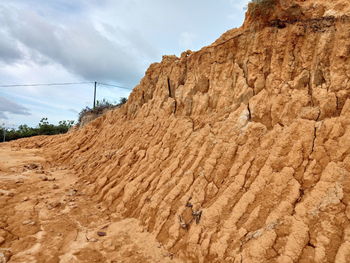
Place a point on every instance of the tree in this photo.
(43, 128)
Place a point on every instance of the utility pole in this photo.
(95, 95)
(4, 132)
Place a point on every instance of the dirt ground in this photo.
(43, 218)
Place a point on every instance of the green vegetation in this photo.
(46, 128)
(101, 107)
(43, 128)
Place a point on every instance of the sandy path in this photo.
(43, 218)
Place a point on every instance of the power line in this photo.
(111, 85)
(46, 84)
(61, 84)
(66, 84)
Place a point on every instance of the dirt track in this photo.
(43, 218)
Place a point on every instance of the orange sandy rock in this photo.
(252, 130)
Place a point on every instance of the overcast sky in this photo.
(111, 41)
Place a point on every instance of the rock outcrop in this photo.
(239, 152)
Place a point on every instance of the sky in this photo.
(108, 41)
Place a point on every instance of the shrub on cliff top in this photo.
(101, 107)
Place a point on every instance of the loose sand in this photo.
(44, 218)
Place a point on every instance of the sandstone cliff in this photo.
(239, 152)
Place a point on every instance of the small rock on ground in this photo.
(101, 233)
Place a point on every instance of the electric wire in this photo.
(61, 84)
(45, 84)
(111, 85)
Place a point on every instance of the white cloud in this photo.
(8, 106)
(80, 48)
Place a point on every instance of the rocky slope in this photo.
(45, 218)
(238, 152)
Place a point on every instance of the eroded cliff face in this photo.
(238, 152)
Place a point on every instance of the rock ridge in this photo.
(251, 133)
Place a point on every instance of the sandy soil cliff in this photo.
(239, 152)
